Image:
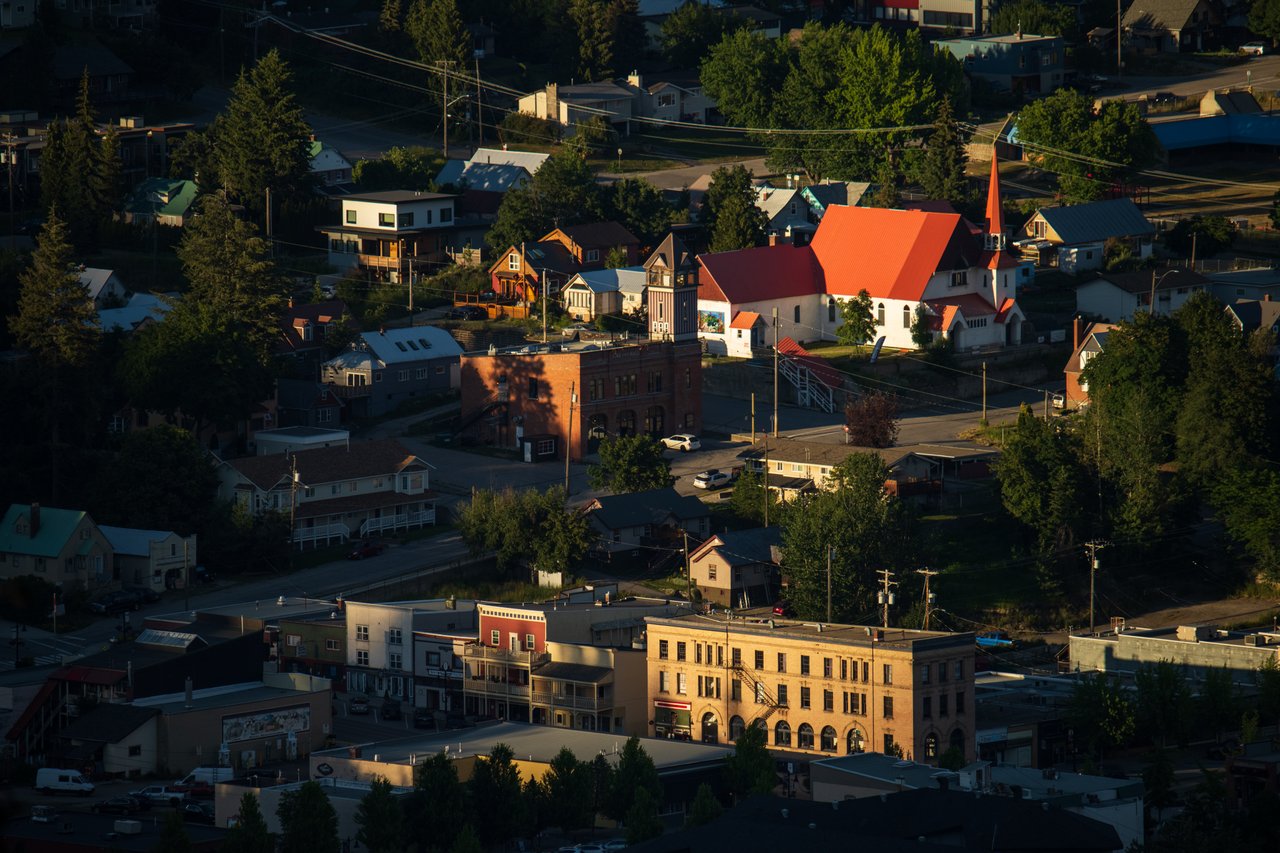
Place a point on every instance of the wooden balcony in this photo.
(399, 521)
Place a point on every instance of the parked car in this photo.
(198, 813)
(144, 593)
(116, 602)
(576, 330)
(1163, 98)
(424, 719)
(714, 479)
(358, 706)
(683, 441)
(783, 609)
(161, 795)
(391, 710)
(366, 549)
(121, 805)
(51, 780)
(467, 312)
(615, 844)
(1253, 48)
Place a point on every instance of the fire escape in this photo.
(761, 691)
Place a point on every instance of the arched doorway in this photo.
(736, 727)
(710, 728)
(957, 740)
(828, 739)
(597, 430)
(855, 743)
(931, 747)
(626, 422)
(654, 421)
(782, 734)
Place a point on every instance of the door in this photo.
(513, 641)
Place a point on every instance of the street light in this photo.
(1155, 282)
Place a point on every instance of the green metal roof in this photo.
(162, 197)
(56, 527)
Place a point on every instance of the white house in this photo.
(104, 286)
(392, 233)
(152, 559)
(590, 294)
(1074, 237)
(788, 213)
(1116, 297)
(328, 166)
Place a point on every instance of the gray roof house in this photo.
(1170, 26)
(385, 368)
(104, 286)
(636, 520)
(592, 293)
(139, 310)
(483, 177)
(738, 568)
(1073, 236)
(1116, 297)
(151, 559)
(788, 213)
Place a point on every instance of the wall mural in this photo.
(711, 322)
(264, 724)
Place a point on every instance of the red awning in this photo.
(675, 706)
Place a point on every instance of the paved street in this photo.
(1261, 72)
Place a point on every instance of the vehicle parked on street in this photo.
(391, 709)
(161, 795)
(124, 805)
(783, 609)
(467, 312)
(43, 814)
(207, 775)
(198, 813)
(715, 478)
(424, 718)
(577, 329)
(144, 593)
(358, 706)
(682, 441)
(51, 780)
(116, 602)
(367, 548)
(1253, 48)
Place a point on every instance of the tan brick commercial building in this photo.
(817, 688)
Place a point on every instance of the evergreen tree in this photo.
(629, 37)
(706, 807)
(439, 35)
(690, 31)
(173, 835)
(381, 820)
(263, 140)
(641, 207)
(568, 792)
(308, 822)
(594, 22)
(886, 181)
(635, 772)
(750, 769)
(250, 834)
(437, 806)
(55, 318)
(942, 173)
(748, 499)
(107, 189)
(389, 17)
(730, 213)
(80, 172)
(230, 271)
(495, 788)
(467, 841)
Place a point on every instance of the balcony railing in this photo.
(578, 703)
(489, 687)
(319, 533)
(530, 659)
(399, 521)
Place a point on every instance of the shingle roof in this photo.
(891, 254)
(764, 272)
(1140, 282)
(131, 541)
(108, 723)
(315, 313)
(56, 527)
(326, 464)
(413, 343)
(774, 200)
(530, 161)
(741, 547)
(640, 508)
(597, 234)
(1159, 14)
(1097, 221)
(1254, 314)
(671, 253)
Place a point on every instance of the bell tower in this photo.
(671, 284)
(995, 239)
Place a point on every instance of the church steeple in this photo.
(995, 238)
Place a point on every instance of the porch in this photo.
(320, 534)
(397, 521)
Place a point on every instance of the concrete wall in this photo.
(1129, 652)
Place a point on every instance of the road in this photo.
(1262, 72)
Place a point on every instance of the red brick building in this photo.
(576, 396)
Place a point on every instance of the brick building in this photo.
(576, 394)
(815, 688)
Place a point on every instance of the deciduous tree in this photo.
(531, 526)
(886, 186)
(563, 192)
(689, 31)
(250, 835)
(495, 788)
(631, 463)
(437, 808)
(635, 772)
(1033, 16)
(173, 835)
(381, 819)
(748, 500)
(159, 479)
(1163, 708)
(308, 822)
(642, 820)
(1204, 235)
(857, 321)
(871, 420)
(400, 168)
(706, 807)
(729, 210)
(750, 769)
(641, 207)
(568, 790)
(1101, 714)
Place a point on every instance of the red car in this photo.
(366, 549)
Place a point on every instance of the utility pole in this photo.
(1119, 35)
(830, 551)
(765, 481)
(886, 595)
(444, 104)
(11, 143)
(984, 393)
(1046, 405)
(753, 417)
(544, 305)
(775, 372)
(573, 398)
(1093, 546)
(928, 596)
(688, 568)
(479, 108)
(269, 234)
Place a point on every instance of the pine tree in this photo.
(55, 318)
(729, 210)
(250, 833)
(173, 835)
(942, 174)
(106, 187)
(308, 822)
(594, 22)
(381, 820)
(439, 35)
(389, 18)
(629, 37)
(886, 181)
(263, 139)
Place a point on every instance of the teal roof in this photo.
(173, 197)
(56, 527)
(314, 148)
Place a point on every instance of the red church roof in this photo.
(766, 272)
(890, 253)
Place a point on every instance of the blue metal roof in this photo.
(1218, 130)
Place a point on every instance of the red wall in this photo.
(507, 626)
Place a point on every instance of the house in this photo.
(109, 77)
(152, 559)
(787, 212)
(1231, 286)
(678, 98)
(315, 644)
(291, 439)
(529, 161)
(588, 295)
(304, 403)
(392, 235)
(383, 369)
(1085, 347)
(1248, 316)
(62, 546)
(738, 568)
(908, 261)
(945, 17)
(104, 286)
(795, 466)
(815, 687)
(1073, 237)
(146, 149)
(335, 493)
(481, 186)
(1171, 26)
(328, 167)
(140, 310)
(518, 273)
(821, 196)
(1020, 63)
(641, 519)
(1116, 297)
(483, 40)
(17, 15)
(304, 333)
(160, 201)
(1229, 102)
(114, 738)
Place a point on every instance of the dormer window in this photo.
(306, 331)
(513, 262)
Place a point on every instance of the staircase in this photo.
(760, 691)
(496, 399)
(815, 381)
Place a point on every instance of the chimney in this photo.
(553, 104)
(187, 693)
(1266, 297)
(35, 520)
(1075, 333)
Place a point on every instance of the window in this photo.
(782, 661)
(513, 262)
(931, 745)
(666, 100)
(697, 653)
(804, 738)
(433, 658)
(528, 642)
(495, 638)
(332, 646)
(960, 670)
(856, 743)
(663, 684)
(736, 727)
(926, 708)
(395, 660)
(942, 671)
(795, 314)
(688, 379)
(711, 572)
(924, 673)
(959, 703)
(906, 316)
(828, 700)
(831, 311)
(135, 750)
(826, 667)
(866, 670)
(394, 636)
(828, 741)
(663, 648)
(889, 745)
(736, 657)
(888, 707)
(735, 690)
(377, 376)
(804, 698)
(888, 674)
(421, 373)
(593, 255)
(782, 695)
(759, 660)
(804, 664)
(387, 220)
(782, 734)
(351, 217)
(942, 705)
(959, 279)
(362, 658)
(446, 215)
(880, 314)
(681, 651)
(406, 220)
(402, 375)
(362, 633)
(682, 683)
(844, 670)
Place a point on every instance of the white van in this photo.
(50, 780)
(207, 776)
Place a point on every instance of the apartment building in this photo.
(382, 645)
(816, 688)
